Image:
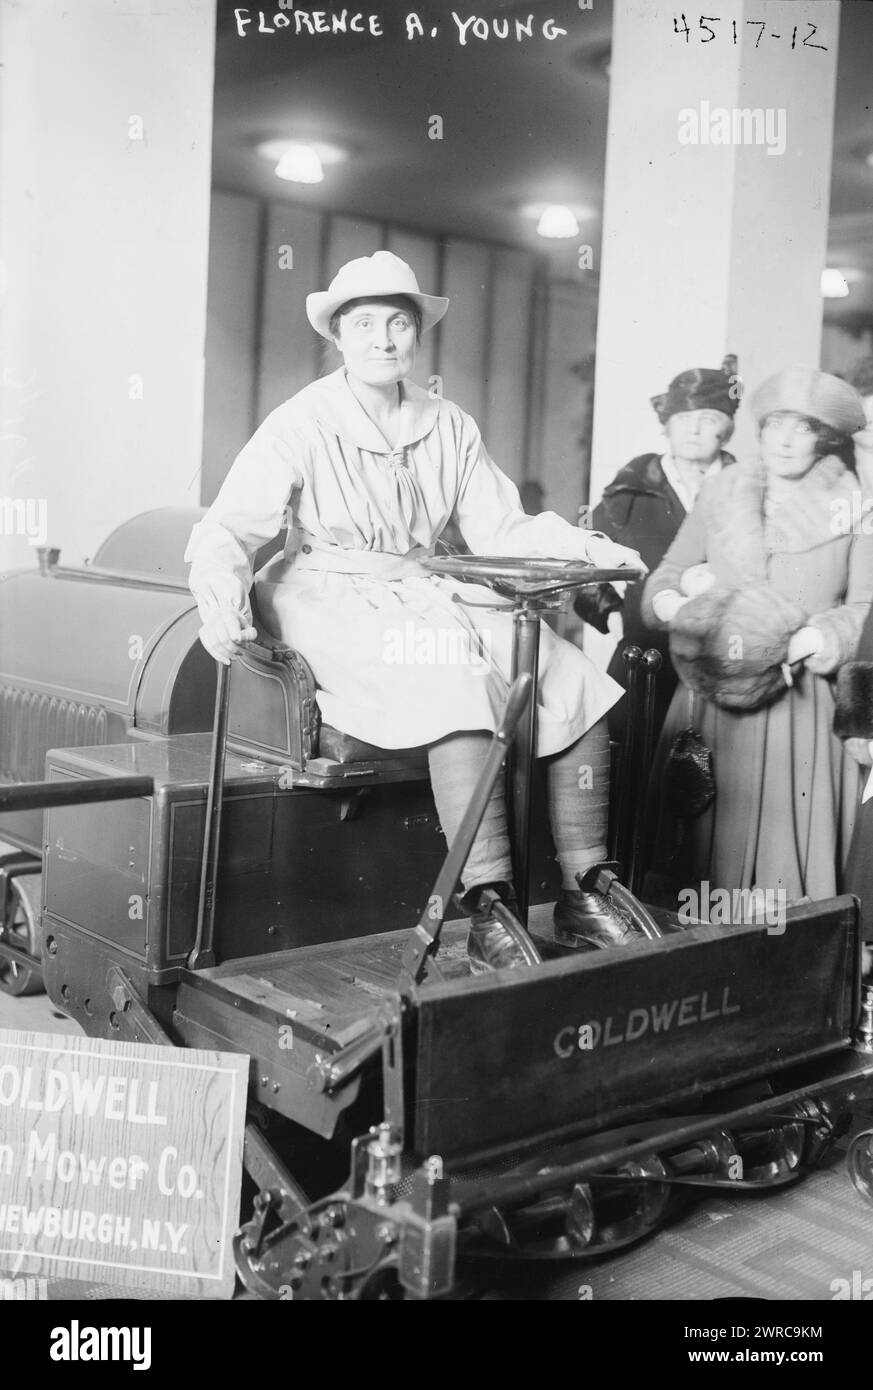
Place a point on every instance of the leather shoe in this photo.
(490, 945)
(588, 920)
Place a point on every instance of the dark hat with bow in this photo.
(701, 388)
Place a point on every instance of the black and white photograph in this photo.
(436, 665)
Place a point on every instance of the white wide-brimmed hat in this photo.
(380, 274)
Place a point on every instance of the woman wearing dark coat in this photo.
(646, 503)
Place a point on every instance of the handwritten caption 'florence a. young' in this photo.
(292, 21)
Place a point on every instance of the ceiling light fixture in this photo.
(557, 221)
(833, 284)
(300, 164)
(301, 161)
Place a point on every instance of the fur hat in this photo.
(729, 644)
(814, 394)
(853, 714)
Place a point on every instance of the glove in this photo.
(667, 603)
(605, 554)
(223, 633)
(803, 643)
(696, 580)
(595, 603)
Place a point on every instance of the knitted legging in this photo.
(578, 781)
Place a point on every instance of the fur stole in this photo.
(748, 530)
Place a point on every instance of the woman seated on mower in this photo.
(764, 591)
(368, 469)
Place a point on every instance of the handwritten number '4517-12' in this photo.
(706, 22)
(806, 42)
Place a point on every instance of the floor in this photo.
(805, 1242)
(34, 1013)
(808, 1241)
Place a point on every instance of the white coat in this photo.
(398, 660)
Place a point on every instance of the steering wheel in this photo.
(514, 577)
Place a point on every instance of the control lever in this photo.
(203, 952)
(332, 1072)
(424, 939)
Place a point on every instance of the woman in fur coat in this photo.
(853, 721)
(768, 583)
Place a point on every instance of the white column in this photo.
(105, 160)
(709, 248)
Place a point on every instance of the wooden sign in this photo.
(120, 1162)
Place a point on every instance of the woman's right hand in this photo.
(667, 603)
(696, 580)
(223, 634)
(607, 554)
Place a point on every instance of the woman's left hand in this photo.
(805, 642)
(605, 554)
(697, 580)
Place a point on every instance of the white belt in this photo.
(379, 564)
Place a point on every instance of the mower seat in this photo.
(274, 717)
